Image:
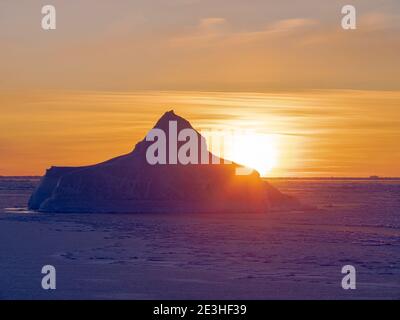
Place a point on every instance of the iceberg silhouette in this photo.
(129, 184)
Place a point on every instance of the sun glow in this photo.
(253, 150)
(257, 151)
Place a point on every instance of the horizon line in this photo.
(372, 177)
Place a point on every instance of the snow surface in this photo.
(282, 254)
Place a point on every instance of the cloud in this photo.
(211, 23)
(289, 25)
(212, 30)
(207, 30)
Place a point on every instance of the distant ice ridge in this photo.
(129, 184)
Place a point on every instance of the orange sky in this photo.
(93, 87)
(320, 132)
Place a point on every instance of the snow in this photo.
(283, 254)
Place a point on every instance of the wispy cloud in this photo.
(217, 30)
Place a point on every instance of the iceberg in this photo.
(129, 184)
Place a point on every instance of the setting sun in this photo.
(245, 147)
(257, 151)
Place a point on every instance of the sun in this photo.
(257, 151)
(245, 147)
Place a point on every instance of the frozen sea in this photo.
(279, 255)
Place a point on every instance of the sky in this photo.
(93, 87)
